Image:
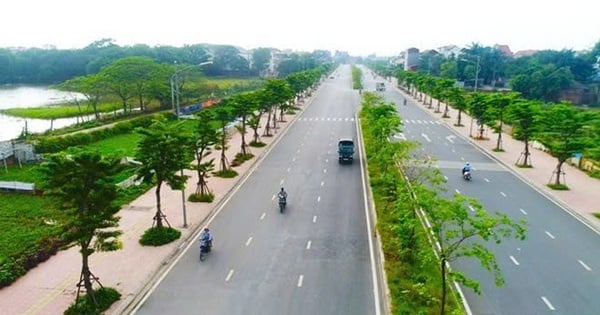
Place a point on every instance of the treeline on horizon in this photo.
(546, 75)
(52, 66)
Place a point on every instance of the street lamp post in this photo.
(175, 106)
(175, 86)
(477, 69)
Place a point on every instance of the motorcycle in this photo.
(467, 175)
(282, 204)
(205, 247)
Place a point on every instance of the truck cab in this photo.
(345, 150)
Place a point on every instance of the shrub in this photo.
(105, 297)
(558, 186)
(257, 144)
(241, 158)
(201, 197)
(227, 173)
(159, 236)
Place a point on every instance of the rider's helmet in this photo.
(467, 164)
(281, 188)
(206, 229)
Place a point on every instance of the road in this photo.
(555, 270)
(312, 259)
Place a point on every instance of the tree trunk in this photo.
(87, 275)
(158, 215)
(526, 160)
(274, 120)
(243, 135)
(223, 157)
(558, 171)
(267, 131)
(444, 285)
(255, 134)
(459, 117)
(499, 143)
(199, 154)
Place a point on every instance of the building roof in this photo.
(525, 53)
(504, 49)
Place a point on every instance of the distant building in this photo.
(411, 59)
(525, 53)
(505, 50)
(449, 51)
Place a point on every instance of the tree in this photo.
(456, 97)
(275, 92)
(441, 92)
(206, 136)
(542, 82)
(462, 234)
(163, 152)
(223, 116)
(497, 104)
(261, 57)
(448, 69)
(118, 83)
(141, 74)
(563, 132)
(83, 183)
(478, 110)
(521, 115)
(91, 86)
(243, 105)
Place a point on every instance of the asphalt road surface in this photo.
(312, 259)
(555, 270)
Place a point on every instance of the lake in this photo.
(15, 96)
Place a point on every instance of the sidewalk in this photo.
(581, 199)
(50, 287)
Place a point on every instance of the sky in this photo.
(359, 27)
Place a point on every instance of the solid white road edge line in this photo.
(369, 232)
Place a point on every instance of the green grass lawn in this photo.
(120, 145)
(24, 222)
(59, 111)
(27, 220)
(29, 173)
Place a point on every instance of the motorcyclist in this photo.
(466, 168)
(282, 196)
(206, 236)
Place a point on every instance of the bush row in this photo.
(17, 265)
(59, 143)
